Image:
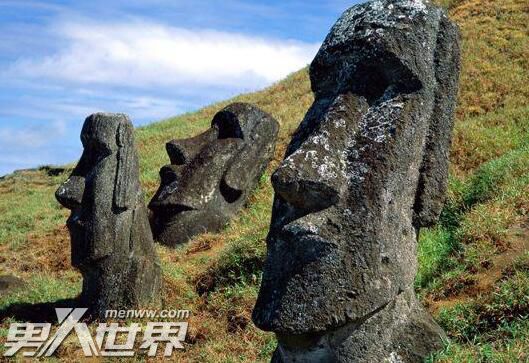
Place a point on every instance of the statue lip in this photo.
(293, 231)
(300, 230)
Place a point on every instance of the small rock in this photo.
(10, 283)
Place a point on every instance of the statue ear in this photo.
(251, 161)
(433, 181)
(127, 174)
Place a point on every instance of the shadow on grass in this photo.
(36, 313)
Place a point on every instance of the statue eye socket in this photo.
(230, 195)
(98, 149)
(378, 80)
(228, 125)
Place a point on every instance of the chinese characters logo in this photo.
(34, 338)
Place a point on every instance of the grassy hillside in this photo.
(474, 266)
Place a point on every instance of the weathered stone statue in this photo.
(365, 170)
(112, 243)
(211, 175)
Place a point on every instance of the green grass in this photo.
(493, 328)
(512, 348)
(44, 288)
(241, 260)
(436, 247)
(479, 209)
(30, 207)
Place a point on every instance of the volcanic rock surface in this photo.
(212, 174)
(112, 242)
(367, 168)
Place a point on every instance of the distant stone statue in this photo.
(211, 175)
(365, 170)
(112, 243)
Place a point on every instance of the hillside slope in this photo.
(474, 266)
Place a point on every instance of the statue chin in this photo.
(180, 228)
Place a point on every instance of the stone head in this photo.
(211, 175)
(342, 240)
(102, 187)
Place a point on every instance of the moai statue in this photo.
(211, 175)
(112, 243)
(365, 170)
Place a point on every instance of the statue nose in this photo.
(70, 193)
(177, 152)
(306, 188)
(314, 176)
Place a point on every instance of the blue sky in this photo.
(63, 60)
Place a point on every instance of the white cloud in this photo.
(148, 70)
(31, 137)
(142, 54)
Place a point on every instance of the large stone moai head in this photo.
(112, 243)
(365, 170)
(211, 175)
